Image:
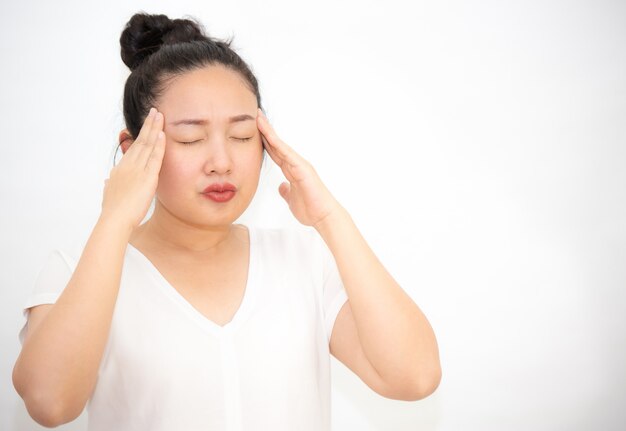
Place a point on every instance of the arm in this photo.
(382, 333)
(395, 336)
(57, 368)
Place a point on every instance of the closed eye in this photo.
(238, 139)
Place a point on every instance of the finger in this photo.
(156, 156)
(151, 138)
(147, 124)
(139, 142)
(270, 134)
(271, 152)
(283, 150)
(283, 189)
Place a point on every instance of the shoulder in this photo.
(61, 259)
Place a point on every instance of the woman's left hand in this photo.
(308, 198)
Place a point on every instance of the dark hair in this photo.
(158, 49)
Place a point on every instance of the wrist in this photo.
(114, 225)
(334, 218)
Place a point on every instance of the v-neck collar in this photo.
(245, 307)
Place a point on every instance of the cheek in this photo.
(174, 171)
(256, 148)
(253, 157)
(179, 159)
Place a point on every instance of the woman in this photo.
(189, 321)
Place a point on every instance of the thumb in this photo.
(284, 190)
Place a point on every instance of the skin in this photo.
(380, 333)
(184, 220)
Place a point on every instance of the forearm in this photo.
(395, 335)
(57, 367)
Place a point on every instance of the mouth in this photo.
(220, 192)
(223, 196)
(220, 187)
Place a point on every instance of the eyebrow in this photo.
(202, 122)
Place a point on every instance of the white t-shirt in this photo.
(167, 367)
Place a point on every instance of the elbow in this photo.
(47, 411)
(431, 384)
(422, 386)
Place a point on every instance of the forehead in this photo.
(213, 89)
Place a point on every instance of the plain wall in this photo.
(479, 147)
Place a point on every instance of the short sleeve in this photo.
(52, 278)
(334, 292)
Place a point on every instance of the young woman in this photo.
(189, 321)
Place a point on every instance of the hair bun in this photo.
(144, 34)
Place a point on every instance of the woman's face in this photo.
(225, 145)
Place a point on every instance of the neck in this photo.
(167, 231)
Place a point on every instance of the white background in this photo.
(479, 146)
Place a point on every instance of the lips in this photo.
(220, 187)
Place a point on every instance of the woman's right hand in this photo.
(132, 184)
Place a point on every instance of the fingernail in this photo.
(261, 113)
(151, 111)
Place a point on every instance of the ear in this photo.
(125, 140)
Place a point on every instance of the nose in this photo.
(218, 158)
